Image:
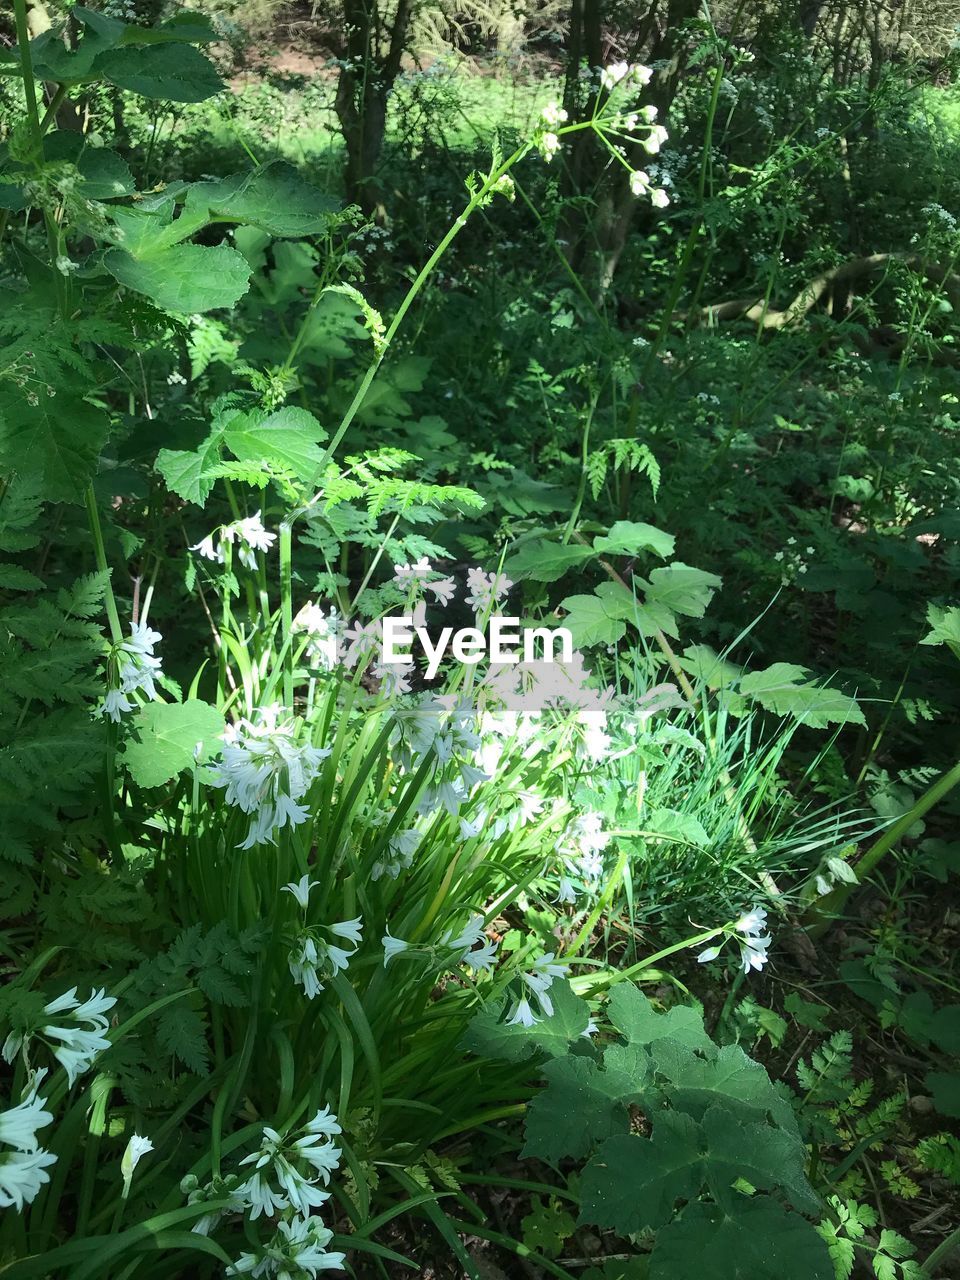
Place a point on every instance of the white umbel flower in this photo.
(281, 1160)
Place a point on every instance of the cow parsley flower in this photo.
(266, 773)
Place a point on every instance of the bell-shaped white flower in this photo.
(19, 1125)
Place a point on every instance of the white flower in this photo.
(486, 590)
(541, 977)
(19, 1125)
(639, 182)
(115, 703)
(392, 947)
(349, 929)
(553, 114)
(523, 1015)
(136, 1148)
(444, 589)
(78, 1045)
(611, 76)
(299, 1247)
(657, 137)
(753, 948)
(22, 1174)
(659, 198)
(711, 953)
(281, 1158)
(207, 549)
(265, 772)
(483, 957)
(407, 575)
(251, 536)
(137, 666)
(301, 889)
(548, 145)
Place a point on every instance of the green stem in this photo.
(26, 64)
(93, 514)
(592, 987)
(834, 902)
(941, 1253)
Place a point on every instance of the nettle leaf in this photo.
(629, 538)
(783, 689)
(759, 1241)
(544, 561)
(276, 199)
(681, 589)
(580, 1106)
(190, 473)
(55, 443)
(169, 736)
(172, 72)
(184, 278)
(287, 439)
(490, 1037)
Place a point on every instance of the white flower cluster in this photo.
(626, 74)
(538, 979)
(416, 578)
(75, 1044)
(284, 1183)
(23, 1171)
(248, 535)
(462, 946)
(753, 943)
(581, 851)
(313, 954)
(323, 633)
(132, 668)
(547, 140)
(266, 773)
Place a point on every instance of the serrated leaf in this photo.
(681, 589)
(15, 578)
(275, 198)
(778, 689)
(541, 560)
(287, 439)
(184, 278)
(760, 1241)
(632, 1013)
(189, 474)
(633, 1183)
(55, 443)
(169, 734)
(589, 622)
(581, 1105)
(672, 824)
(171, 72)
(707, 667)
(630, 538)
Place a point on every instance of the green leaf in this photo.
(681, 589)
(589, 622)
(944, 627)
(55, 443)
(944, 1087)
(633, 1183)
(778, 689)
(488, 1036)
(707, 667)
(184, 278)
(671, 824)
(580, 1106)
(628, 538)
(760, 1241)
(632, 1013)
(189, 473)
(287, 439)
(275, 198)
(172, 72)
(15, 578)
(543, 561)
(696, 1084)
(169, 735)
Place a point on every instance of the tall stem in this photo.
(93, 515)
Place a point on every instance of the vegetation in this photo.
(625, 333)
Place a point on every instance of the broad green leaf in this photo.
(632, 1014)
(589, 623)
(766, 1157)
(105, 174)
(169, 736)
(671, 824)
(681, 589)
(696, 1084)
(633, 1183)
(171, 72)
(286, 439)
(580, 1106)
(275, 198)
(189, 28)
(944, 627)
(544, 561)
(490, 1037)
(760, 1241)
(944, 1087)
(188, 473)
(185, 278)
(56, 442)
(628, 538)
(778, 689)
(707, 667)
